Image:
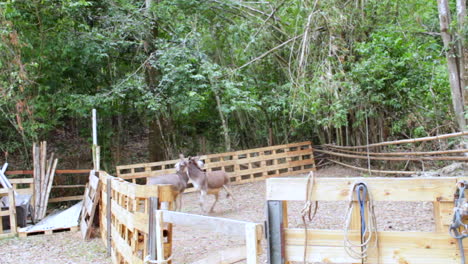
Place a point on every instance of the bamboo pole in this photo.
(48, 188)
(375, 171)
(417, 153)
(406, 141)
(391, 158)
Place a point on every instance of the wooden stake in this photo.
(48, 188)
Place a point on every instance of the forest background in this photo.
(206, 76)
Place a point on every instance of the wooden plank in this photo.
(68, 186)
(382, 189)
(22, 181)
(108, 207)
(31, 172)
(136, 220)
(251, 238)
(213, 224)
(231, 255)
(12, 210)
(66, 199)
(122, 247)
(159, 236)
(395, 247)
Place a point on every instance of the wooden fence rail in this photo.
(242, 166)
(124, 209)
(251, 232)
(287, 244)
(25, 185)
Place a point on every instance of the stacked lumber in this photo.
(44, 172)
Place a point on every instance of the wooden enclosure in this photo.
(124, 217)
(242, 166)
(251, 232)
(287, 244)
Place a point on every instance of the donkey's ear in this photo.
(181, 156)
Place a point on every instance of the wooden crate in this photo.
(129, 217)
(287, 244)
(242, 166)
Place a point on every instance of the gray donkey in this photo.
(207, 182)
(178, 180)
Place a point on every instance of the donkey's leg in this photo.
(202, 200)
(229, 194)
(180, 203)
(216, 194)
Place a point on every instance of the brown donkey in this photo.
(207, 182)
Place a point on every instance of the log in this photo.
(391, 158)
(416, 153)
(406, 141)
(373, 171)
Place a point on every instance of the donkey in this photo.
(208, 182)
(178, 180)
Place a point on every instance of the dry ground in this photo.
(190, 244)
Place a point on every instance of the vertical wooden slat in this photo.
(109, 215)
(251, 243)
(12, 209)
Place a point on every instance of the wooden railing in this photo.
(242, 166)
(287, 244)
(125, 214)
(25, 184)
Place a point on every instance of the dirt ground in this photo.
(190, 244)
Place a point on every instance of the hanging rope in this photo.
(460, 210)
(369, 239)
(306, 211)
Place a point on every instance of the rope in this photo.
(153, 261)
(368, 224)
(306, 210)
(459, 211)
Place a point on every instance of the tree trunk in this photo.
(227, 139)
(152, 75)
(453, 61)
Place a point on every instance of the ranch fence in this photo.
(124, 217)
(242, 166)
(68, 185)
(287, 244)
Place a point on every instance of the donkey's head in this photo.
(182, 164)
(195, 162)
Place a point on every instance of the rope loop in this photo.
(369, 239)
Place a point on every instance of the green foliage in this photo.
(362, 65)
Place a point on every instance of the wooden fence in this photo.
(287, 244)
(242, 166)
(68, 184)
(124, 217)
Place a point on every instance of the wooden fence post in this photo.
(109, 215)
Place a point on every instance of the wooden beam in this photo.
(382, 189)
(395, 247)
(213, 224)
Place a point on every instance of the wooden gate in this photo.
(287, 244)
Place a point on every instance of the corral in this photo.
(403, 206)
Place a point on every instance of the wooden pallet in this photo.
(47, 232)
